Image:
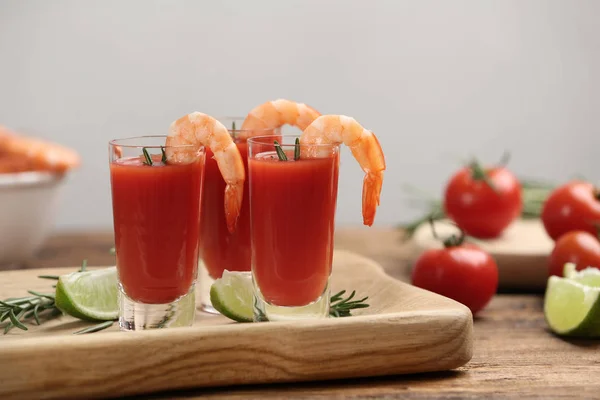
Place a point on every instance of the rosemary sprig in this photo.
(340, 307)
(297, 149)
(534, 194)
(280, 152)
(164, 155)
(15, 311)
(148, 159)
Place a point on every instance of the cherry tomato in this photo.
(483, 202)
(573, 206)
(462, 272)
(578, 247)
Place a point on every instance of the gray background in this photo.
(437, 81)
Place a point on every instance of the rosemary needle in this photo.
(148, 159)
(280, 152)
(48, 296)
(54, 277)
(15, 320)
(95, 328)
(297, 149)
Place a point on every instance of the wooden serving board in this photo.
(521, 253)
(405, 330)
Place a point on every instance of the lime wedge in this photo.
(233, 295)
(571, 306)
(90, 295)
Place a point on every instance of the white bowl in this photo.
(28, 206)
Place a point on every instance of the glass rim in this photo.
(241, 119)
(116, 142)
(243, 133)
(257, 141)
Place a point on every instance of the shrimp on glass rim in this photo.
(277, 113)
(337, 129)
(41, 155)
(200, 129)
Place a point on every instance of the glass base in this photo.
(264, 311)
(135, 316)
(204, 284)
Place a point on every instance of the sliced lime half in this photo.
(90, 295)
(572, 307)
(233, 295)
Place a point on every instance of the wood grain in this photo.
(514, 354)
(406, 330)
(515, 357)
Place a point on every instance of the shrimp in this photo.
(200, 129)
(11, 163)
(274, 114)
(42, 155)
(337, 129)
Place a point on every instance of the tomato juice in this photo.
(292, 209)
(219, 248)
(156, 212)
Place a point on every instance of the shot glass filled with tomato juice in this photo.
(156, 217)
(292, 217)
(220, 249)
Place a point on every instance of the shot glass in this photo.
(293, 196)
(220, 249)
(156, 215)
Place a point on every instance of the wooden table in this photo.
(515, 355)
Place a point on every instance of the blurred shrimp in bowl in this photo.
(32, 174)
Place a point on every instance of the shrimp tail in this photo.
(233, 203)
(370, 196)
